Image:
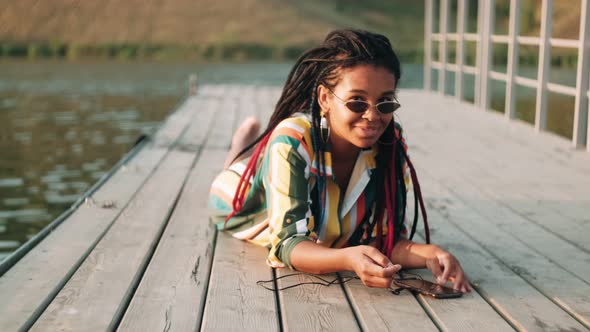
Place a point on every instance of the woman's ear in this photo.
(323, 99)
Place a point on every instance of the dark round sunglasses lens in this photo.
(357, 106)
(387, 108)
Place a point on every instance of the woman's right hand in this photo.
(371, 266)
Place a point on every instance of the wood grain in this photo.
(97, 294)
(234, 301)
(313, 307)
(521, 304)
(378, 309)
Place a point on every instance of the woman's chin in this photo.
(365, 142)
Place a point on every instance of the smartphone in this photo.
(427, 288)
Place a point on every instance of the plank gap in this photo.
(120, 312)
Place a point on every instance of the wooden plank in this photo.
(172, 293)
(97, 294)
(562, 253)
(581, 130)
(491, 186)
(519, 303)
(176, 123)
(378, 309)
(560, 286)
(313, 307)
(468, 313)
(220, 134)
(163, 299)
(558, 220)
(195, 135)
(490, 199)
(234, 301)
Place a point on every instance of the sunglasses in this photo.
(361, 106)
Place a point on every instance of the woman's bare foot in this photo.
(246, 133)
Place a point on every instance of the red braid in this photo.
(390, 204)
(240, 195)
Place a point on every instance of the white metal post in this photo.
(581, 121)
(512, 66)
(488, 17)
(442, 46)
(428, 18)
(461, 22)
(478, 56)
(544, 65)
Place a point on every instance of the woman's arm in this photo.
(372, 267)
(412, 255)
(444, 266)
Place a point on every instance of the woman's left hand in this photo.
(445, 267)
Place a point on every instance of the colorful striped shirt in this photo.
(278, 209)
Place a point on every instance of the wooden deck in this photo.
(512, 205)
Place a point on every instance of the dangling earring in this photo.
(324, 129)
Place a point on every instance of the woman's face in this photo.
(350, 131)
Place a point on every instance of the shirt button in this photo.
(289, 220)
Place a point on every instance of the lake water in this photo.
(63, 125)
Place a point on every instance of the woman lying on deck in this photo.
(325, 185)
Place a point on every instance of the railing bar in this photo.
(525, 81)
(533, 41)
(498, 76)
(500, 39)
(512, 65)
(470, 70)
(566, 43)
(581, 130)
(452, 67)
(452, 36)
(461, 21)
(486, 50)
(428, 38)
(443, 28)
(544, 62)
(563, 89)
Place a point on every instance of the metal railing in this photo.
(483, 71)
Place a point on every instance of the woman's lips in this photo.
(368, 131)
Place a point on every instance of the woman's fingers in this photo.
(458, 284)
(376, 256)
(434, 266)
(448, 264)
(373, 269)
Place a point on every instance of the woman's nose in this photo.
(371, 114)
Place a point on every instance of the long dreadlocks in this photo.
(341, 49)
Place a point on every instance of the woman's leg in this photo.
(246, 133)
